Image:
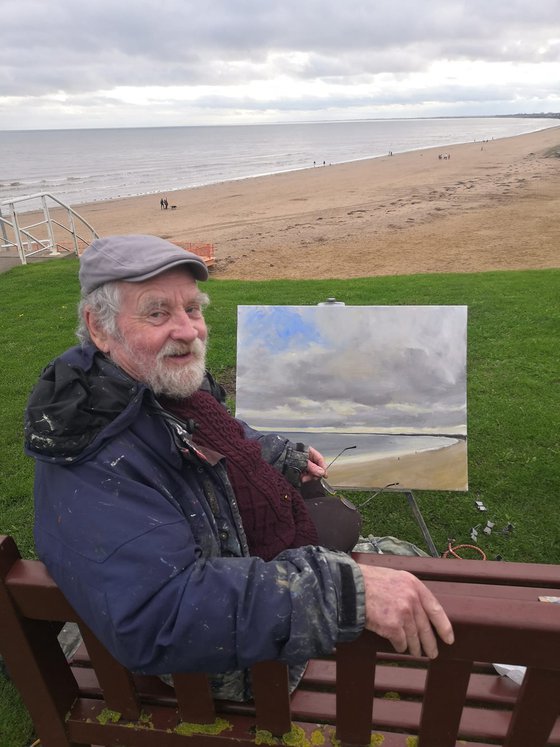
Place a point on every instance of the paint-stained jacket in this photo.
(142, 533)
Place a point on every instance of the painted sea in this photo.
(419, 462)
(87, 165)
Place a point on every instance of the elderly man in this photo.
(161, 516)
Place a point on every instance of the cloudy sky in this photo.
(102, 63)
(386, 369)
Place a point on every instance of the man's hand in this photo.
(402, 609)
(316, 466)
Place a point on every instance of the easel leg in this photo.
(421, 523)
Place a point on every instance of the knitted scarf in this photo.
(273, 512)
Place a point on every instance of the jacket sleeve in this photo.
(133, 567)
(287, 457)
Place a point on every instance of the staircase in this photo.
(55, 229)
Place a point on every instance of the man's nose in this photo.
(183, 328)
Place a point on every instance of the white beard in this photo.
(176, 383)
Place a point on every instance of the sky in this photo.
(101, 63)
(385, 369)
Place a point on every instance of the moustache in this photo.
(196, 348)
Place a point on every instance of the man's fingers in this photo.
(317, 458)
(415, 639)
(441, 623)
(312, 472)
(429, 618)
(425, 634)
(399, 641)
(436, 616)
(402, 609)
(414, 645)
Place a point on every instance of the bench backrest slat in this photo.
(355, 675)
(536, 709)
(194, 698)
(470, 571)
(115, 680)
(272, 697)
(442, 706)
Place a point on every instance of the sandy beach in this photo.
(435, 469)
(491, 205)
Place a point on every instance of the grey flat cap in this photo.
(133, 258)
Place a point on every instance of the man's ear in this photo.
(98, 334)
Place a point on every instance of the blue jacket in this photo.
(141, 531)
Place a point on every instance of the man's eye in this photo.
(193, 311)
(156, 314)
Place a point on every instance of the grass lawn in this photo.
(513, 378)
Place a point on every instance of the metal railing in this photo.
(47, 237)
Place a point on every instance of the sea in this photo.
(356, 460)
(87, 165)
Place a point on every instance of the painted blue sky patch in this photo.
(279, 328)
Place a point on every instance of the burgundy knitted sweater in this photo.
(273, 512)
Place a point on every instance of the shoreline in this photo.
(491, 205)
(444, 468)
(297, 169)
(177, 180)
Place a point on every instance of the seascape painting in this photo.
(384, 385)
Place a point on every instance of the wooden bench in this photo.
(362, 695)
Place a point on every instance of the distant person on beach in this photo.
(182, 537)
(165, 203)
(161, 203)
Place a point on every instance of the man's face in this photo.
(162, 339)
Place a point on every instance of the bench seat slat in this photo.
(476, 723)
(409, 681)
(488, 690)
(157, 727)
(320, 706)
(312, 706)
(159, 724)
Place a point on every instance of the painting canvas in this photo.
(384, 385)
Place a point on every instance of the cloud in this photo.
(219, 57)
(391, 366)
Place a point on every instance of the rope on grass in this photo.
(452, 551)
